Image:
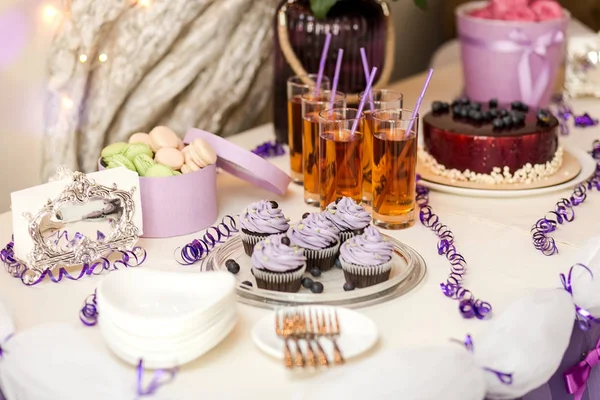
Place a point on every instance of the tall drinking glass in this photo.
(394, 168)
(312, 105)
(340, 155)
(382, 99)
(296, 87)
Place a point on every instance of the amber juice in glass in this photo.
(379, 100)
(394, 168)
(296, 87)
(340, 155)
(312, 105)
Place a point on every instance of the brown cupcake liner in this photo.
(249, 239)
(366, 275)
(279, 281)
(345, 235)
(323, 259)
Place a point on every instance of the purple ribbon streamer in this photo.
(584, 317)
(197, 249)
(469, 306)
(577, 376)
(565, 209)
(89, 312)
(160, 378)
(269, 149)
(504, 378)
(517, 41)
(564, 113)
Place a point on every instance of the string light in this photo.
(83, 58)
(102, 57)
(67, 103)
(50, 13)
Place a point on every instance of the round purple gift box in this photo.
(510, 60)
(178, 205)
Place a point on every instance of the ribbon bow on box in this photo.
(577, 376)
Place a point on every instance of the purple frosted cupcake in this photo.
(319, 238)
(350, 218)
(260, 220)
(367, 259)
(277, 265)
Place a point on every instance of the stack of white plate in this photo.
(164, 318)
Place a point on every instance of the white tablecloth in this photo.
(493, 235)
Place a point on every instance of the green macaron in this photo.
(142, 162)
(114, 149)
(119, 160)
(158, 171)
(136, 149)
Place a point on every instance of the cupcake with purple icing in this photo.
(260, 220)
(319, 238)
(367, 259)
(350, 218)
(277, 265)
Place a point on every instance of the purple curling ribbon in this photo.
(564, 210)
(517, 41)
(160, 378)
(584, 317)
(504, 378)
(577, 376)
(6, 339)
(585, 120)
(197, 249)
(469, 306)
(128, 259)
(89, 313)
(269, 149)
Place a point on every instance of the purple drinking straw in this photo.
(322, 62)
(336, 77)
(361, 106)
(365, 63)
(419, 101)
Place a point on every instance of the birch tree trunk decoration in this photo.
(122, 66)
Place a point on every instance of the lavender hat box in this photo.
(510, 60)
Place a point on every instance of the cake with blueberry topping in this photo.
(278, 265)
(319, 238)
(260, 220)
(490, 143)
(350, 218)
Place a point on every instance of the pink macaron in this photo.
(201, 153)
(169, 157)
(161, 136)
(140, 137)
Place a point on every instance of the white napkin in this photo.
(586, 289)
(443, 372)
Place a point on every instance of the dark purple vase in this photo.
(353, 24)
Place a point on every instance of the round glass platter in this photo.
(408, 271)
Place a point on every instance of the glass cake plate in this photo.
(407, 271)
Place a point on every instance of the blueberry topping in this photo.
(519, 106)
(493, 113)
(285, 240)
(475, 115)
(464, 112)
(544, 116)
(518, 118)
(475, 105)
(317, 287)
(456, 103)
(507, 121)
(274, 204)
(438, 107)
(456, 110)
(493, 103)
(232, 266)
(307, 282)
(247, 283)
(486, 116)
(498, 123)
(305, 215)
(316, 272)
(338, 263)
(348, 286)
(464, 101)
(503, 112)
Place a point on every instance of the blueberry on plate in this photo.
(317, 287)
(285, 240)
(348, 286)
(307, 282)
(316, 272)
(232, 266)
(338, 263)
(305, 215)
(247, 283)
(498, 123)
(274, 204)
(493, 103)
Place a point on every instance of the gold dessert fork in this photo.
(290, 327)
(301, 333)
(333, 331)
(283, 333)
(312, 334)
